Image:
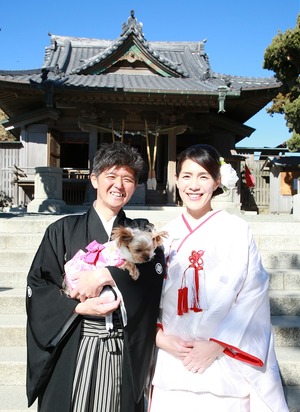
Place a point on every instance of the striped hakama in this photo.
(98, 373)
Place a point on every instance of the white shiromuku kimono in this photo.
(216, 270)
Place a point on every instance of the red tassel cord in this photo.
(182, 301)
(196, 262)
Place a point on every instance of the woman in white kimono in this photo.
(216, 350)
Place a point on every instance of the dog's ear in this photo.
(115, 233)
(158, 237)
(149, 227)
(122, 235)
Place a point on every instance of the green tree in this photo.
(283, 58)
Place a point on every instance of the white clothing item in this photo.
(180, 401)
(107, 224)
(233, 295)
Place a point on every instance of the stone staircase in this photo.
(278, 239)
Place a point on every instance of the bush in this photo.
(5, 200)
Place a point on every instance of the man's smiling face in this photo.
(115, 186)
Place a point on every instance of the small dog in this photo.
(136, 246)
(128, 247)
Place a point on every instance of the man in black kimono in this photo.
(57, 356)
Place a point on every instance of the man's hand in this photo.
(97, 307)
(90, 283)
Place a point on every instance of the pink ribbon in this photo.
(93, 250)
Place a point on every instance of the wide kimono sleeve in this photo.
(48, 308)
(245, 332)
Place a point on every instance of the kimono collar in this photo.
(191, 231)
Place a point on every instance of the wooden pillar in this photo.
(90, 194)
(35, 152)
(93, 139)
(171, 186)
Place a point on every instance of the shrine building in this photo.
(160, 97)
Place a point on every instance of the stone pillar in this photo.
(227, 201)
(171, 185)
(296, 207)
(296, 202)
(47, 191)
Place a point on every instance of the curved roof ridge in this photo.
(164, 60)
(114, 45)
(246, 82)
(232, 76)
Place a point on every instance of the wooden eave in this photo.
(225, 123)
(14, 97)
(131, 98)
(30, 118)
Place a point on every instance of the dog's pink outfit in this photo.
(97, 256)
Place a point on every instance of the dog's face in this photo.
(137, 245)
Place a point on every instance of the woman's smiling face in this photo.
(196, 187)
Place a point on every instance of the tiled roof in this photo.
(142, 83)
(69, 61)
(188, 61)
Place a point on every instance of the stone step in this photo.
(12, 301)
(277, 242)
(284, 279)
(16, 223)
(19, 257)
(261, 224)
(286, 331)
(13, 365)
(20, 241)
(271, 260)
(13, 330)
(292, 395)
(285, 302)
(278, 227)
(13, 277)
(280, 279)
(13, 399)
(289, 364)
(27, 240)
(280, 259)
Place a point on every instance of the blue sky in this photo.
(237, 34)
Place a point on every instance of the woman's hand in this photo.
(202, 355)
(97, 307)
(173, 345)
(90, 283)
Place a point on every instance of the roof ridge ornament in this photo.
(132, 24)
